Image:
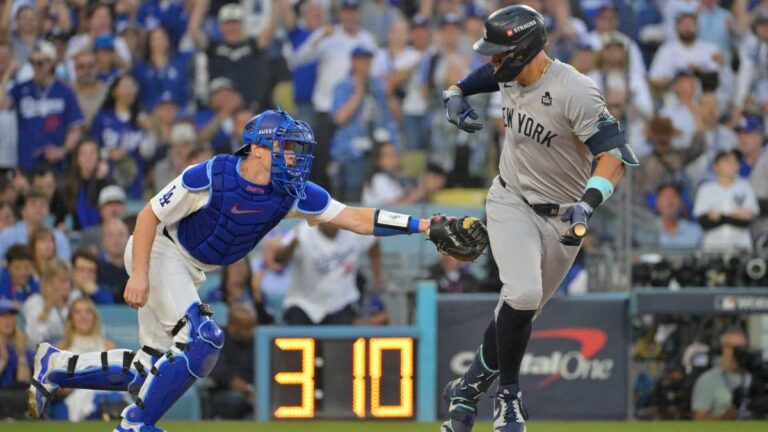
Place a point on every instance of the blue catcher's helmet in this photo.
(290, 140)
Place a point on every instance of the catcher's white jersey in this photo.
(545, 153)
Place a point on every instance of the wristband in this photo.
(386, 223)
(601, 185)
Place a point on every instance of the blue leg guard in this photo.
(117, 370)
(197, 342)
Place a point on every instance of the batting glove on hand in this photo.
(457, 109)
(577, 215)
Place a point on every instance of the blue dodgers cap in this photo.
(104, 41)
(362, 51)
(750, 123)
(7, 307)
(350, 4)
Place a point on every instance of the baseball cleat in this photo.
(41, 390)
(461, 415)
(126, 426)
(509, 414)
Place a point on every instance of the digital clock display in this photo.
(367, 377)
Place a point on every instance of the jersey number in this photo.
(166, 198)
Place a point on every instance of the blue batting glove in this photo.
(458, 110)
(577, 215)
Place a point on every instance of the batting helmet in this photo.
(289, 140)
(518, 30)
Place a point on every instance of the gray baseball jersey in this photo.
(552, 132)
(547, 154)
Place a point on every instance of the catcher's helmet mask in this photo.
(518, 32)
(295, 141)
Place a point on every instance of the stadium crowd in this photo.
(106, 101)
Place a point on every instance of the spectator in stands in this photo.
(395, 63)
(164, 117)
(682, 107)
(238, 287)
(726, 206)
(46, 312)
(112, 273)
(720, 26)
(200, 154)
(607, 22)
(674, 231)
(304, 76)
(183, 140)
(712, 395)
(7, 217)
(377, 16)
(272, 279)
(452, 275)
(415, 123)
(44, 183)
(215, 123)
(161, 74)
(123, 132)
(233, 395)
(751, 91)
(83, 333)
(172, 16)
(98, 21)
(111, 206)
(711, 136)
(15, 371)
(385, 184)
(85, 269)
(17, 281)
(34, 214)
(107, 61)
(566, 30)
(751, 141)
(362, 116)
(89, 90)
(324, 265)
(9, 152)
(240, 119)
(42, 246)
(664, 163)
(236, 57)
(685, 52)
(87, 177)
(47, 112)
(331, 47)
(13, 187)
(27, 28)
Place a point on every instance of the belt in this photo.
(546, 210)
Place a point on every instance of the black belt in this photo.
(546, 210)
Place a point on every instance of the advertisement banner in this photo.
(576, 363)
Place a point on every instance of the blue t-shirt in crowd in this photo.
(304, 76)
(44, 116)
(169, 14)
(168, 83)
(114, 132)
(15, 293)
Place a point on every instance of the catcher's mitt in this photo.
(464, 238)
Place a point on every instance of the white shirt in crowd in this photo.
(752, 77)
(50, 330)
(381, 190)
(324, 270)
(714, 197)
(636, 62)
(334, 56)
(673, 56)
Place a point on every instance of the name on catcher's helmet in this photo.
(291, 142)
(516, 30)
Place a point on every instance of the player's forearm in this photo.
(609, 168)
(478, 81)
(364, 221)
(143, 237)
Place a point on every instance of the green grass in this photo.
(363, 426)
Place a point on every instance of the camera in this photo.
(755, 397)
(755, 271)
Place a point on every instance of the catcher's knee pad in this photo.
(521, 298)
(197, 342)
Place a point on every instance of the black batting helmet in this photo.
(518, 30)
